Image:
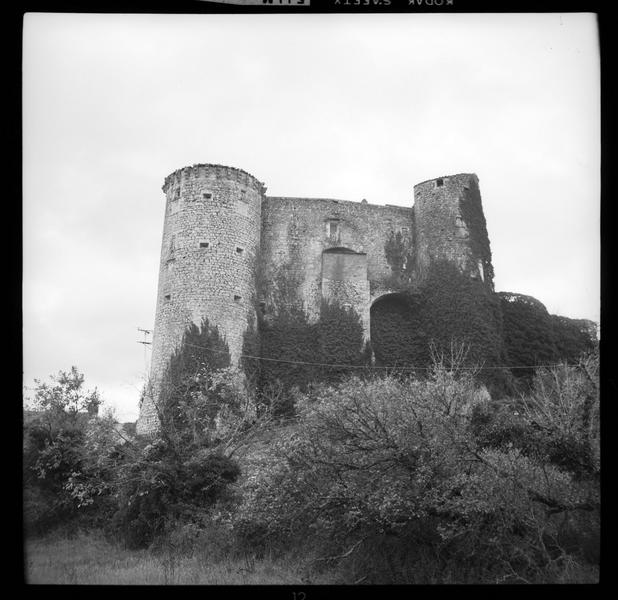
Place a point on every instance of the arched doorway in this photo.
(394, 330)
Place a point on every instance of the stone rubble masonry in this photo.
(344, 280)
(441, 232)
(226, 245)
(211, 240)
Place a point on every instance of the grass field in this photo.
(89, 559)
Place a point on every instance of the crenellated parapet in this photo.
(175, 180)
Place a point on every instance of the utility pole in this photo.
(146, 343)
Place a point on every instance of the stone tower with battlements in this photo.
(226, 247)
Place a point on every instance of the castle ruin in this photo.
(225, 244)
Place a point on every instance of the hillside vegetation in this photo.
(359, 478)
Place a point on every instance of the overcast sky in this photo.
(338, 106)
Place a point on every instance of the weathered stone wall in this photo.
(297, 231)
(227, 247)
(441, 230)
(211, 240)
(344, 281)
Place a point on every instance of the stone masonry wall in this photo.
(441, 231)
(227, 247)
(211, 239)
(344, 281)
(296, 232)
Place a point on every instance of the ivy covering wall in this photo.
(289, 346)
(202, 352)
(501, 332)
(457, 307)
(474, 217)
(533, 337)
(528, 333)
(451, 308)
(399, 253)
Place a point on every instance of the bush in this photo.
(426, 472)
(58, 426)
(533, 337)
(161, 492)
(173, 481)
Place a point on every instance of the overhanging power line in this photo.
(396, 367)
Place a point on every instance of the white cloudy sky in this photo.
(340, 106)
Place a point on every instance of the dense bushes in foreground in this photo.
(379, 480)
(141, 489)
(426, 481)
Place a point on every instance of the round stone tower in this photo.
(450, 226)
(211, 240)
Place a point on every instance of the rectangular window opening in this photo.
(207, 195)
(439, 182)
(167, 297)
(204, 244)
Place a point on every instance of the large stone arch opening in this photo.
(394, 329)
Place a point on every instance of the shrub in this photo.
(173, 481)
(426, 472)
(58, 424)
(533, 337)
(162, 491)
